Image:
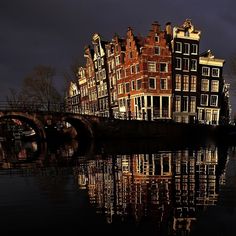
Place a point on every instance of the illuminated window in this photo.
(205, 85)
(177, 103)
(186, 83)
(214, 86)
(152, 66)
(193, 83)
(177, 82)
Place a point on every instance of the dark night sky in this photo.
(54, 32)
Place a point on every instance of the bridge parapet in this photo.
(32, 106)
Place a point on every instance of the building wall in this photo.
(156, 77)
(185, 72)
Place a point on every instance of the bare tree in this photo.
(38, 89)
(14, 99)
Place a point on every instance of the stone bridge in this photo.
(43, 121)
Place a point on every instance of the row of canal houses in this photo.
(159, 77)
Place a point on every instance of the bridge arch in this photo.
(31, 120)
(84, 127)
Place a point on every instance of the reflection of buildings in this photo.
(167, 188)
(195, 184)
(136, 185)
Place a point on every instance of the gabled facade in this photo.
(91, 81)
(73, 97)
(102, 82)
(210, 87)
(146, 89)
(157, 77)
(155, 64)
(83, 86)
(185, 54)
(115, 52)
(130, 84)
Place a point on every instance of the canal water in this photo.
(107, 188)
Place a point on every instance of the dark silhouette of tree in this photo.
(38, 89)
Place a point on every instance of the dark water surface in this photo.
(142, 188)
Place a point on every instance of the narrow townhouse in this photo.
(73, 97)
(115, 51)
(84, 101)
(155, 66)
(146, 90)
(129, 81)
(185, 55)
(102, 82)
(211, 89)
(91, 81)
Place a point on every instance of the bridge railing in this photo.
(32, 106)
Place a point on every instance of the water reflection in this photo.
(19, 154)
(164, 191)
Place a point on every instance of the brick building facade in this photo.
(157, 77)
